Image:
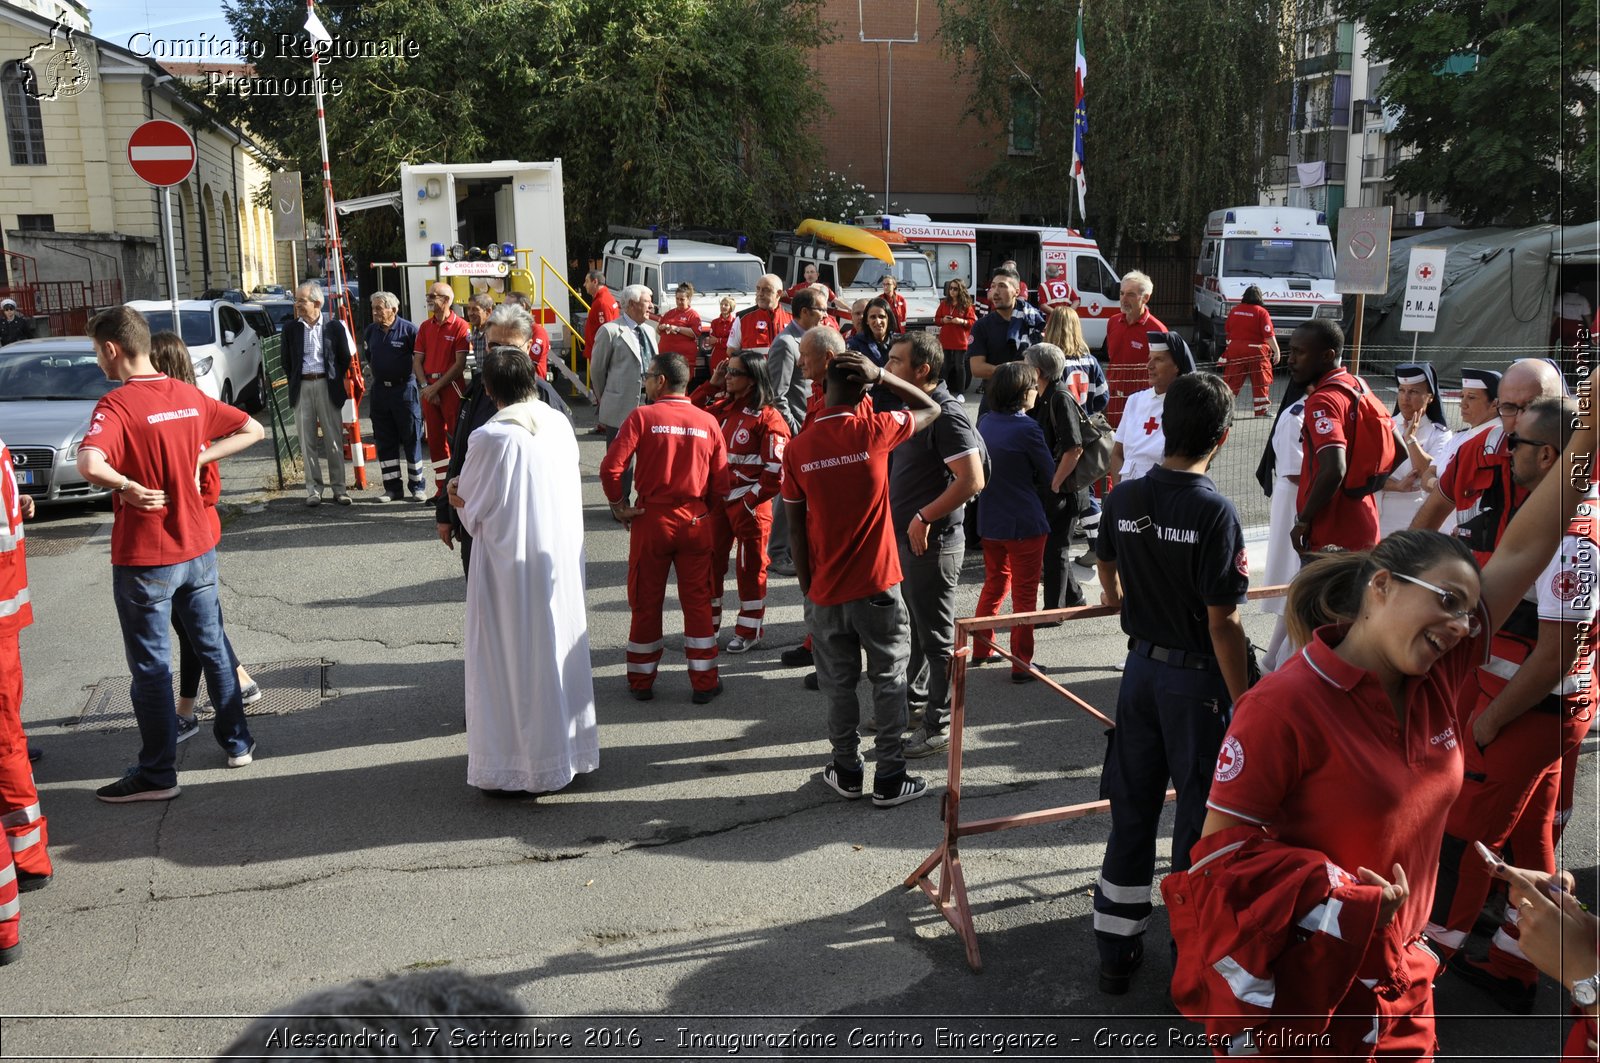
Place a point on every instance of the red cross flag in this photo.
(162, 153)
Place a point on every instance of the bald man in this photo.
(755, 329)
(443, 341)
(1476, 484)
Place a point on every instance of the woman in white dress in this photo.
(1419, 415)
(530, 693)
(1282, 559)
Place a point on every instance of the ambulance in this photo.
(1285, 251)
(1060, 266)
(661, 261)
(853, 273)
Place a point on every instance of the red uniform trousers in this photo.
(1510, 795)
(736, 526)
(678, 537)
(441, 424)
(1011, 565)
(1249, 359)
(19, 800)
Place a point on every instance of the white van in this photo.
(1285, 251)
(1060, 266)
(661, 262)
(853, 275)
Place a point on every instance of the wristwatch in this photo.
(1586, 991)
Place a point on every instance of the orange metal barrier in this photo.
(949, 893)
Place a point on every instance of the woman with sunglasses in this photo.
(1352, 750)
(740, 396)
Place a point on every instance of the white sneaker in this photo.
(739, 644)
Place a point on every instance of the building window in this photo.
(24, 127)
(1024, 118)
(36, 223)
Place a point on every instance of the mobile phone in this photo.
(1489, 856)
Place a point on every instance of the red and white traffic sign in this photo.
(162, 153)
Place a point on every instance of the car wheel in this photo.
(251, 398)
(227, 393)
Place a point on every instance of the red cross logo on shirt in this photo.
(1078, 385)
(1151, 426)
(1425, 272)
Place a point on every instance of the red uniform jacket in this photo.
(679, 455)
(16, 610)
(755, 442)
(758, 327)
(1270, 937)
(604, 308)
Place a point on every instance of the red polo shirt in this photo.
(685, 347)
(839, 467)
(441, 344)
(602, 309)
(1317, 755)
(1351, 523)
(152, 430)
(1248, 325)
(1129, 345)
(678, 450)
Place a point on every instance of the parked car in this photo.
(257, 317)
(269, 291)
(48, 389)
(232, 295)
(225, 349)
(279, 310)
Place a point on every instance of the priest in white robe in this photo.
(530, 693)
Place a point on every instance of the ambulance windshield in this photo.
(1253, 257)
(735, 275)
(911, 271)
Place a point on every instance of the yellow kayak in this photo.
(855, 239)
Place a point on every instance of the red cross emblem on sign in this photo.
(1425, 272)
(1078, 385)
(1150, 426)
(952, 265)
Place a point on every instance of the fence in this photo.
(69, 304)
(278, 413)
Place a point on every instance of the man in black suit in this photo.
(317, 352)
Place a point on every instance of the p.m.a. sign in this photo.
(1424, 285)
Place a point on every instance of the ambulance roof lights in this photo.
(661, 245)
(475, 254)
(507, 251)
(1229, 218)
(886, 223)
(457, 252)
(743, 242)
(435, 250)
(492, 252)
(1322, 217)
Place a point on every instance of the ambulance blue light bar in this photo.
(661, 245)
(1229, 218)
(435, 250)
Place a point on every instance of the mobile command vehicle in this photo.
(1286, 251)
(1060, 266)
(847, 261)
(662, 261)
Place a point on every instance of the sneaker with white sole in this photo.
(921, 744)
(740, 644)
(847, 784)
(188, 727)
(897, 789)
(250, 694)
(239, 760)
(133, 787)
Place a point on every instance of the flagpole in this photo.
(1070, 191)
(351, 415)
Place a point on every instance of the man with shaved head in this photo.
(755, 329)
(1477, 483)
(443, 341)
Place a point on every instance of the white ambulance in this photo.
(1060, 266)
(662, 261)
(1285, 251)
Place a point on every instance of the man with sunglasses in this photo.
(1534, 704)
(1476, 482)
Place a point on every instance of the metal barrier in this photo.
(546, 306)
(949, 894)
(285, 442)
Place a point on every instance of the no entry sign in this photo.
(161, 153)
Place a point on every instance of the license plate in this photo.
(24, 476)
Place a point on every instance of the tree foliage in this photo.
(674, 112)
(1512, 139)
(1178, 101)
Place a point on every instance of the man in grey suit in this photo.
(622, 349)
(316, 358)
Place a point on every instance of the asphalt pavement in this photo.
(702, 882)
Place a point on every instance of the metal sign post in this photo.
(888, 124)
(1361, 267)
(163, 154)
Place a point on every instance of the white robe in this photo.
(530, 691)
(1397, 508)
(1282, 560)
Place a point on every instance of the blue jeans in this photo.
(149, 599)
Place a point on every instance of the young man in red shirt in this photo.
(144, 443)
(443, 341)
(681, 472)
(836, 487)
(1324, 514)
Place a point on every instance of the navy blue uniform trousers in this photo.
(397, 435)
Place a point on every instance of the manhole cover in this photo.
(286, 687)
(41, 545)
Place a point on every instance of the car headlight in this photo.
(72, 451)
(1330, 311)
(202, 366)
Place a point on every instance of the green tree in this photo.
(664, 111)
(1177, 97)
(1498, 97)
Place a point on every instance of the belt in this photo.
(1199, 662)
(394, 383)
(313, 376)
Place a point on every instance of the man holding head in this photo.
(316, 359)
(1125, 349)
(622, 350)
(756, 327)
(682, 473)
(836, 487)
(443, 341)
(144, 441)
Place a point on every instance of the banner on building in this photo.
(288, 216)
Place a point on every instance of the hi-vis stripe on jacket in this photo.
(16, 610)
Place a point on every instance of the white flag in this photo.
(318, 31)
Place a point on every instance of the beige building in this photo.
(71, 209)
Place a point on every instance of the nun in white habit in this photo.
(529, 689)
